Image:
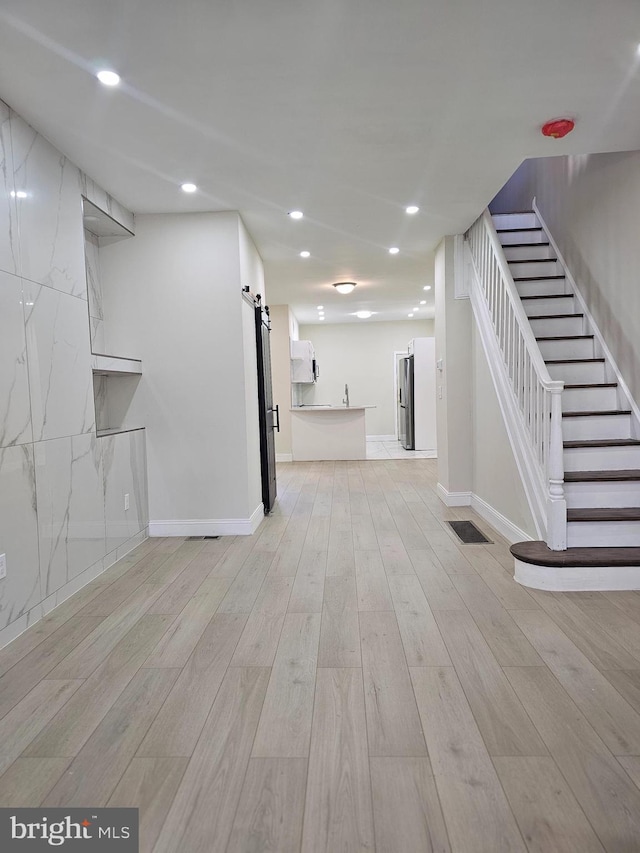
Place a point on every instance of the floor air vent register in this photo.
(468, 533)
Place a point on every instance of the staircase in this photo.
(601, 452)
(595, 467)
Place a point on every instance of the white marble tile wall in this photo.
(71, 519)
(62, 518)
(15, 407)
(8, 211)
(125, 472)
(49, 207)
(20, 590)
(59, 357)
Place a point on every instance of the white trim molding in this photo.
(284, 457)
(453, 498)
(382, 437)
(577, 578)
(208, 526)
(499, 522)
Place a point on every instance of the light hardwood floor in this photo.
(350, 678)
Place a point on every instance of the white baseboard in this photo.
(499, 522)
(208, 526)
(577, 578)
(284, 457)
(453, 498)
(382, 437)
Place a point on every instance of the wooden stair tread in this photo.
(618, 513)
(604, 442)
(565, 338)
(593, 385)
(534, 260)
(523, 245)
(596, 413)
(572, 360)
(553, 316)
(538, 553)
(511, 230)
(601, 476)
(543, 278)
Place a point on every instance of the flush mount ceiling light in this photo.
(364, 315)
(394, 250)
(409, 315)
(344, 286)
(188, 188)
(305, 254)
(413, 208)
(108, 78)
(423, 302)
(296, 214)
(320, 307)
(427, 287)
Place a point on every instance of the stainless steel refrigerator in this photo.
(405, 403)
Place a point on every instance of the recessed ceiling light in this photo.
(344, 286)
(18, 194)
(409, 315)
(415, 309)
(427, 287)
(320, 307)
(423, 302)
(412, 209)
(188, 188)
(364, 315)
(394, 250)
(296, 214)
(321, 318)
(305, 254)
(108, 78)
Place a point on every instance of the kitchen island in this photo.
(328, 432)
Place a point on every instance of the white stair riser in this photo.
(603, 534)
(594, 427)
(508, 237)
(540, 287)
(539, 269)
(515, 220)
(609, 494)
(582, 348)
(601, 458)
(557, 326)
(578, 372)
(589, 399)
(531, 252)
(533, 307)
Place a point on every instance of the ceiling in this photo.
(346, 109)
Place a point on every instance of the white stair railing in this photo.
(531, 398)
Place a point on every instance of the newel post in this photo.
(556, 503)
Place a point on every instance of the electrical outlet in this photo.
(3, 566)
(126, 501)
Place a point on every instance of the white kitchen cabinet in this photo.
(304, 368)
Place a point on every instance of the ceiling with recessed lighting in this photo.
(347, 110)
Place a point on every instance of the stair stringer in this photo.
(519, 440)
(593, 326)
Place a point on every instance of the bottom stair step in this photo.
(580, 568)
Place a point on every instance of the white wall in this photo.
(360, 355)
(173, 296)
(592, 207)
(282, 325)
(496, 479)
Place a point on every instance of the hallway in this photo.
(349, 678)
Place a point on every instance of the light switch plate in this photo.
(126, 501)
(3, 566)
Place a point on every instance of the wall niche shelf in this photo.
(115, 365)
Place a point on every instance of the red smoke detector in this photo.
(558, 127)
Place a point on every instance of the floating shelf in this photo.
(114, 365)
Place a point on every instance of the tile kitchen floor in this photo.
(348, 678)
(394, 450)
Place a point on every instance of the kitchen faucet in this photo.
(346, 396)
